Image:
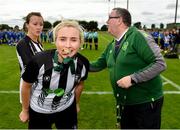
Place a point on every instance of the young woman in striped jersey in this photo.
(30, 45)
(53, 81)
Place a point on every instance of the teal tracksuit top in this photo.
(140, 57)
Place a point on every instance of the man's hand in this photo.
(124, 82)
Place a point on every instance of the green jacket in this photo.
(140, 57)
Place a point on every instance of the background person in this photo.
(86, 35)
(30, 45)
(95, 37)
(90, 39)
(134, 62)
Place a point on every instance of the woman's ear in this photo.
(26, 26)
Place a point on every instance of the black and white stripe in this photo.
(25, 50)
(41, 70)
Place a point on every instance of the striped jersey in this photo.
(25, 50)
(53, 89)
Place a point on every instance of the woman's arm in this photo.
(26, 90)
(78, 91)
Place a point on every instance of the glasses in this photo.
(113, 17)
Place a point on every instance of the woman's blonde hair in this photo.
(69, 23)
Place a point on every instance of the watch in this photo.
(132, 81)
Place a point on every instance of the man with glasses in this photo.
(135, 63)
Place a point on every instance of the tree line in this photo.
(91, 25)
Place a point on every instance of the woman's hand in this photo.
(24, 116)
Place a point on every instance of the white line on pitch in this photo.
(90, 92)
(171, 92)
(171, 82)
(164, 83)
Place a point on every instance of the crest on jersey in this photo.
(47, 78)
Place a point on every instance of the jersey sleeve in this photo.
(23, 52)
(84, 62)
(31, 73)
(86, 69)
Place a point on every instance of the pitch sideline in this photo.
(109, 92)
(170, 82)
(90, 92)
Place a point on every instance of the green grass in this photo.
(97, 111)
(173, 71)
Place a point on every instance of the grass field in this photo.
(97, 110)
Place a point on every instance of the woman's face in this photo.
(68, 41)
(35, 26)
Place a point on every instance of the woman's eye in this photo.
(62, 39)
(74, 39)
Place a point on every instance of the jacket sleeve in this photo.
(150, 52)
(101, 62)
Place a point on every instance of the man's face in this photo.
(113, 22)
(68, 41)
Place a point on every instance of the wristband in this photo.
(132, 81)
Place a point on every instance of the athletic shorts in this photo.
(66, 119)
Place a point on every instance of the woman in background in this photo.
(30, 45)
